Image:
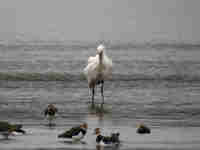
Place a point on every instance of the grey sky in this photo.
(92, 20)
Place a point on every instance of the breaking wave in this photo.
(58, 76)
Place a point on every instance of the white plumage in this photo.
(78, 137)
(99, 68)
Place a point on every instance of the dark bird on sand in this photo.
(7, 129)
(50, 113)
(75, 133)
(113, 139)
(143, 129)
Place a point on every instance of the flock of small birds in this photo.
(75, 134)
(98, 69)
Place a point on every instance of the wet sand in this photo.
(160, 88)
(43, 137)
(174, 124)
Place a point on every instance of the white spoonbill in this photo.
(98, 69)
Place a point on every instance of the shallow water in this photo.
(42, 137)
(168, 103)
(170, 109)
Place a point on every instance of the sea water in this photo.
(155, 85)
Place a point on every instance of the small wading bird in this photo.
(143, 129)
(101, 140)
(99, 68)
(7, 129)
(50, 112)
(75, 133)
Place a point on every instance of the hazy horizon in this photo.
(92, 20)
